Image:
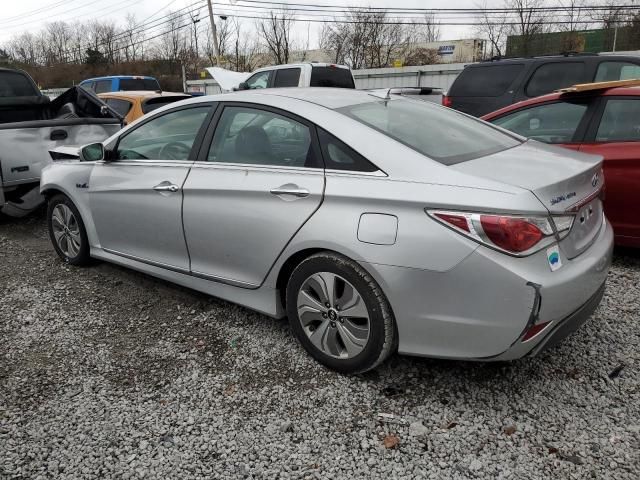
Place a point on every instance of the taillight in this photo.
(446, 101)
(534, 330)
(513, 234)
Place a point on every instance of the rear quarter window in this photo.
(331, 77)
(485, 81)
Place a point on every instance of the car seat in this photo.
(253, 146)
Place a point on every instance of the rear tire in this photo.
(339, 314)
(67, 232)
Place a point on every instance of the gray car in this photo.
(375, 223)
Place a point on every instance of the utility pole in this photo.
(214, 33)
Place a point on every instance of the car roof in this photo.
(617, 91)
(294, 65)
(553, 58)
(328, 97)
(121, 77)
(131, 94)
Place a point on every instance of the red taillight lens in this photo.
(511, 234)
(446, 101)
(459, 221)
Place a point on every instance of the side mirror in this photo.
(92, 153)
(243, 86)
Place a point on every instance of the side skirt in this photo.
(264, 300)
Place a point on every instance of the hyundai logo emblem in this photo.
(594, 180)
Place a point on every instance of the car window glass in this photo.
(167, 137)
(620, 121)
(259, 80)
(440, 134)
(612, 71)
(16, 84)
(119, 105)
(552, 76)
(485, 81)
(287, 77)
(339, 156)
(549, 123)
(259, 137)
(103, 86)
(331, 77)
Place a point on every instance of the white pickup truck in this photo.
(310, 74)
(31, 125)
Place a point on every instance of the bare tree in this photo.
(276, 33)
(133, 39)
(493, 27)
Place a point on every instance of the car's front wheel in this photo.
(339, 313)
(67, 232)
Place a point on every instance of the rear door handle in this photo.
(58, 135)
(166, 187)
(290, 189)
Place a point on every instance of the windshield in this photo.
(439, 133)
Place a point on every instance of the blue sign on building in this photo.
(446, 49)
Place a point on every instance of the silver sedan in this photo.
(375, 223)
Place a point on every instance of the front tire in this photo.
(67, 232)
(339, 313)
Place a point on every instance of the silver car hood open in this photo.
(559, 177)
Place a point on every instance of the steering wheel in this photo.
(174, 151)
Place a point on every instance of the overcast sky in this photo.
(31, 15)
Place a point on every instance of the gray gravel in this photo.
(105, 373)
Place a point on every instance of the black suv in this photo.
(487, 86)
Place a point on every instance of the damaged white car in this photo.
(31, 125)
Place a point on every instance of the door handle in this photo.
(166, 187)
(58, 135)
(290, 189)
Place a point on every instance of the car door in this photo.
(136, 198)
(258, 178)
(615, 134)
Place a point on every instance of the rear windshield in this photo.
(485, 81)
(139, 84)
(439, 133)
(155, 103)
(16, 84)
(331, 77)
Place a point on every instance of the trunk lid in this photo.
(564, 181)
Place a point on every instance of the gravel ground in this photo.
(107, 373)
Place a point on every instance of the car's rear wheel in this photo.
(339, 313)
(67, 232)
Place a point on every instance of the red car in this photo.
(603, 121)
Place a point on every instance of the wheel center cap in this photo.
(333, 315)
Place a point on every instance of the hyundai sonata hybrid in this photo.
(374, 222)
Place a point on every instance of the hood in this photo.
(227, 79)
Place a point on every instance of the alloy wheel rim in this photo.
(66, 230)
(333, 315)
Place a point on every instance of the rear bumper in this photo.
(570, 324)
(482, 308)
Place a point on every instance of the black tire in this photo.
(382, 337)
(82, 257)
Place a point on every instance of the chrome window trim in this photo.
(255, 166)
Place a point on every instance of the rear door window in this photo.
(287, 77)
(335, 77)
(620, 121)
(103, 86)
(612, 71)
(549, 123)
(485, 81)
(552, 76)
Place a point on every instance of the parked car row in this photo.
(374, 221)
